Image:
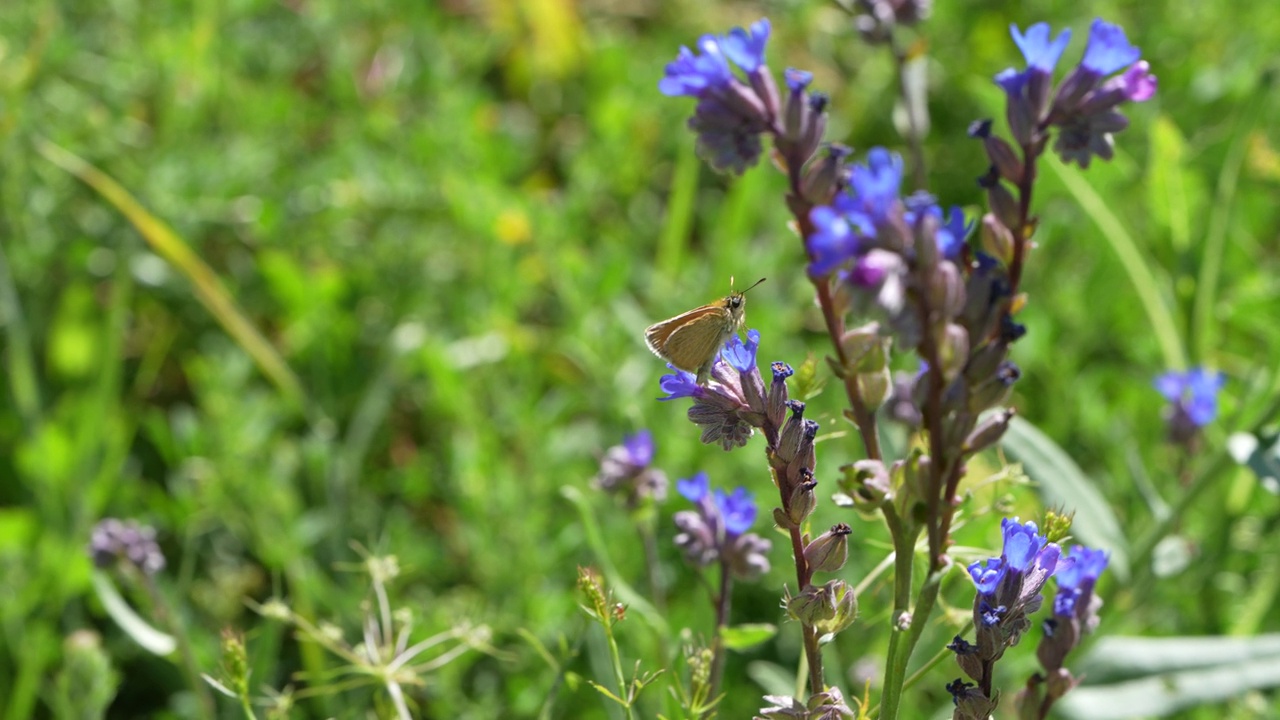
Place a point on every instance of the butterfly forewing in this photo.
(695, 338)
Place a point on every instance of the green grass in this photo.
(385, 283)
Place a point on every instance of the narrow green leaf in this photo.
(1060, 481)
(208, 287)
(741, 637)
(144, 634)
(1174, 674)
(1135, 264)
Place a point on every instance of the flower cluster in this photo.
(114, 541)
(1084, 108)
(717, 529)
(1008, 592)
(1193, 401)
(735, 403)
(626, 470)
(733, 113)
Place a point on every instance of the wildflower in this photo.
(114, 541)
(716, 530)
(735, 402)
(1193, 401)
(625, 469)
(730, 115)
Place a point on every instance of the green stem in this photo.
(722, 621)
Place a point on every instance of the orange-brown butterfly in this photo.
(690, 341)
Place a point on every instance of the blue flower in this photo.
(742, 356)
(694, 75)
(1077, 577)
(1194, 392)
(875, 186)
(1022, 542)
(797, 80)
(1108, 49)
(1041, 53)
(1012, 82)
(835, 240)
(738, 510)
(987, 574)
(951, 232)
(746, 48)
(680, 384)
(639, 448)
(694, 489)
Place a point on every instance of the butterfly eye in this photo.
(735, 302)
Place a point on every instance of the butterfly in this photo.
(690, 341)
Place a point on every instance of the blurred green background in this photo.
(423, 241)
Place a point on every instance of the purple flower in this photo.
(1139, 83)
(114, 542)
(639, 447)
(680, 384)
(1108, 49)
(694, 75)
(1012, 82)
(746, 48)
(875, 186)
(742, 356)
(1041, 52)
(1193, 393)
(987, 574)
(737, 509)
(951, 231)
(1077, 577)
(694, 489)
(835, 240)
(797, 80)
(1022, 542)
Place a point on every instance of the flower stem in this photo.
(723, 603)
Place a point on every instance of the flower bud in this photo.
(874, 386)
(867, 482)
(968, 657)
(803, 499)
(806, 458)
(953, 350)
(748, 556)
(995, 390)
(845, 603)
(789, 441)
(762, 82)
(1004, 214)
(1003, 158)
(776, 402)
(989, 431)
(946, 290)
(860, 342)
(812, 605)
(830, 550)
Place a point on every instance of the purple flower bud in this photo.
(1139, 83)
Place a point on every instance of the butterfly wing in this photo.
(689, 340)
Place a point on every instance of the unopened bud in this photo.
(806, 458)
(823, 176)
(874, 387)
(860, 342)
(803, 499)
(845, 603)
(953, 350)
(946, 289)
(989, 431)
(812, 605)
(830, 550)
(1004, 211)
(789, 441)
(1003, 158)
(776, 402)
(762, 82)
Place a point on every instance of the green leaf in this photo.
(1166, 675)
(144, 634)
(741, 637)
(1060, 481)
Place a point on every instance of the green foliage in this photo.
(280, 276)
